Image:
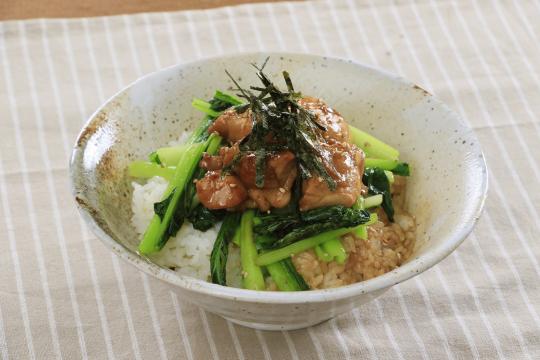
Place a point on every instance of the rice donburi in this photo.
(273, 191)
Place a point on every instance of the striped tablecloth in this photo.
(63, 295)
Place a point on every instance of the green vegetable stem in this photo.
(373, 201)
(322, 254)
(372, 146)
(361, 232)
(168, 156)
(180, 194)
(378, 183)
(205, 107)
(146, 170)
(168, 219)
(252, 277)
(273, 256)
(335, 248)
(398, 168)
(389, 176)
(286, 277)
(291, 227)
(220, 251)
(224, 100)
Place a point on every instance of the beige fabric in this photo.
(62, 294)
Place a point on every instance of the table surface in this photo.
(64, 295)
(28, 9)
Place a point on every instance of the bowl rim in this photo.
(402, 273)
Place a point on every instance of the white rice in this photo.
(189, 251)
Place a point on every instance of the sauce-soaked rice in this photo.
(387, 247)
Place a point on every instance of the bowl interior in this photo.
(445, 192)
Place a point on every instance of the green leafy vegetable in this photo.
(203, 219)
(264, 241)
(160, 208)
(335, 248)
(334, 213)
(213, 108)
(201, 133)
(372, 201)
(372, 146)
(273, 256)
(145, 170)
(322, 254)
(223, 101)
(286, 277)
(398, 168)
(220, 251)
(154, 158)
(361, 232)
(307, 231)
(165, 224)
(191, 203)
(301, 283)
(167, 156)
(252, 277)
(178, 199)
(236, 237)
(205, 107)
(402, 169)
(288, 228)
(276, 224)
(390, 177)
(219, 103)
(377, 182)
(181, 190)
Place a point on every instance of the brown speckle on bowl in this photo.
(92, 127)
(424, 91)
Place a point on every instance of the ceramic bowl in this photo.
(445, 194)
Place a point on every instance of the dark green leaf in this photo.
(220, 251)
(334, 213)
(276, 224)
(264, 241)
(226, 99)
(161, 207)
(291, 227)
(203, 219)
(177, 219)
(201, 133)
(289, 266)
(220, 102)
(377, 182)
(321, 220)
(154, 157)
(402, 169)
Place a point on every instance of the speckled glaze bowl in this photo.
(446, 192)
